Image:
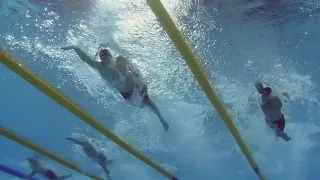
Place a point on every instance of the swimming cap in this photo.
(266, 91)
(104, 52)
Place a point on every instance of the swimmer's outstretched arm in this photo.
(84, 57)
(81, 143)
(30, 175)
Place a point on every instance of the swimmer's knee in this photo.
(148, 102)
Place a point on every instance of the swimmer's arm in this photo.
(30, 175)
(285, 94)
(81, 143)
(259, 87)
(84, 57)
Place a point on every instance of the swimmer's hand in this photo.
(288, 98)
(69, 47)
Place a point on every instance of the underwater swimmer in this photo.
(37, 168)
(271, 107)
(124, 76)
(93, 154)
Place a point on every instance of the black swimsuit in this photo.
(280, 123)
(128, 95)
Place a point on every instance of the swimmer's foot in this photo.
(165, 125)
(287, 138)
(283, 135)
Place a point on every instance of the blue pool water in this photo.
(276, 42)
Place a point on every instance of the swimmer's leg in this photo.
(104, 167)
(279, 131)
(147, 101)
(282, 134)
(280, 128)
(110, 161)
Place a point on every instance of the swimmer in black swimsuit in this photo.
(37, 168)
(123, 74)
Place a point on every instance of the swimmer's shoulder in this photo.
(119, 57)
(122, 59)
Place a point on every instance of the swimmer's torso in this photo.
(116, 79)
(91, 151)
(37, 167)
(272, 109)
